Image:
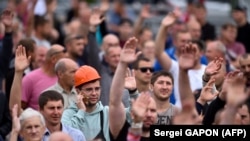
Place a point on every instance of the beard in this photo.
(145, 129)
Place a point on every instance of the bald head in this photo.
(55, 49)
(110, 40)
(60, 136)
(63, 64)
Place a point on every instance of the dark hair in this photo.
(126, 20)
(157, 74)
(200, 44)
(28, 43)
(140, 58)
(228, 25)
(40, 21)
(143, 29)
(50, 95)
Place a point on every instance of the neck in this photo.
(112, 69)
(161, 106)
(47, 69)
(142, 87)
(65, 87)
(225, 41)
(145, 134)
(38, 35)
(71, 56)
(52, 128)
(90, 109)
(197, 66)
(242, 22)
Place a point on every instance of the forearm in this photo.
(13, 136)
(117, 85)
(15, 92)
(160, 40)
(184, 87)
(229, 115)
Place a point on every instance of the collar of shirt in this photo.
(61, 90)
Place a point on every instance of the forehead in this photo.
(114, 50)
(92, 84)
(54, 103)
(32, 120)
(163, 78)
(245, 61)
(152, 104)
(143, 63)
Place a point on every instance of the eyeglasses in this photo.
(144, 70)
(91, 90)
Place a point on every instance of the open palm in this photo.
(214, 66)
(21, 60)
(128, 54)
(130, 82)
(139, 106)
(207, 92)
(171, 17)
(95, 18)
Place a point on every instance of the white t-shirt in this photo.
(195, 79)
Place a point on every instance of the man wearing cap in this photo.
(239, 15)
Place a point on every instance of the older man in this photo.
(65, 69)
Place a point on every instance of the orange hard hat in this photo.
(85, 74)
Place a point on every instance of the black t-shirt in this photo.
(208, 32)
(123, 134)
(243, 36)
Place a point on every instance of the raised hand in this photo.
(16, 126)
(207, 93)
(171, 18)
(187, 57)
(130, 82)
(214, 66)
(226, 83)
(21, 60)
(139, 106)
(96, 17)
(145, 12)
(236, 93)
(128, 54)
(7, 19)
(104, 6)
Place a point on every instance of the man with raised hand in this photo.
(168, 64)
(117, 114)
(50, 102)
(189, 114)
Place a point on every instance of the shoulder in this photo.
(72, 131)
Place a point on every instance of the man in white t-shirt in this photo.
(183, 37)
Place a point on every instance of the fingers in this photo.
(189, 48)
(211, 82)
(128, 72)
(131, 43)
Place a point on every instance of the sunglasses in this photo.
(144, 70)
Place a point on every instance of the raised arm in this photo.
(21, 63)
(16, 127)
(117, 115)
(145, 13)
(188, 114)
(236, 96)
(161, 37)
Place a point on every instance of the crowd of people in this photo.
(102, 74)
